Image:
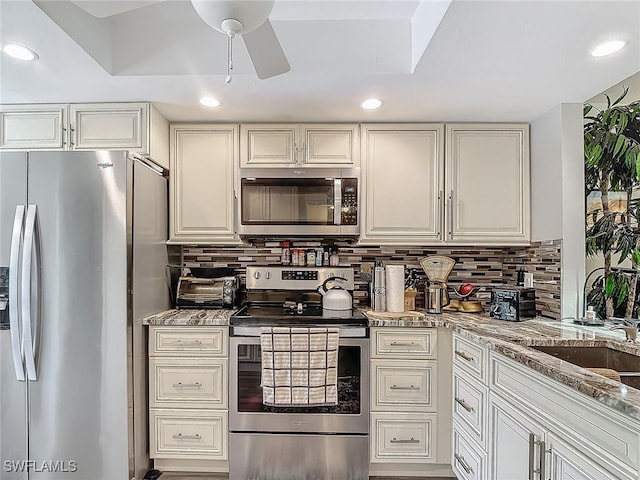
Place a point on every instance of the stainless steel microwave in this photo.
(299, 202)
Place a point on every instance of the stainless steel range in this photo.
(297, 442)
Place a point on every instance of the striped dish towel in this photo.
(299, 366)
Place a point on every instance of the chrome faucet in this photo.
(630, 332)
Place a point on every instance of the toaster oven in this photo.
(197, 292)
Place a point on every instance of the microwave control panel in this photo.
(349, 214)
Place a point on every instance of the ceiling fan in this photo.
(250, 20)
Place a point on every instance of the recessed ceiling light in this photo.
(607, 48)
(371, 104)
(209, 101)
(20, 52)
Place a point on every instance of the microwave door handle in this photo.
(337, 207)
(14, 311)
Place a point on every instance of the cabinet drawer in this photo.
(176, 434)
(414, 342)
(177, 382)
(397, 385)
(403, 438)
(470, 406)
(468, 462)
(470, 356)
(187, 341)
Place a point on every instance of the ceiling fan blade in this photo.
(265, 51)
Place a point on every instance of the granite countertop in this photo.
(190, 317)
(512, 339)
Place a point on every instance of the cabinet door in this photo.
(32, 127)
(567, 463)
(514, 449)
(488, 183)
(269, 145)
(201, 194)
(331, 145)
(402, 179)
(101, 126)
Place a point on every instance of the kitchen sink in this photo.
(626, 364)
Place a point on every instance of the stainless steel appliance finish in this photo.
(297, 442)
(297, 201)
(83, 236)
(196, 292)
(436, 297)
(295, 279)
(317, 457)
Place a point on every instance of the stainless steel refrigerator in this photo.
(82, 261)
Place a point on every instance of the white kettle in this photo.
(335, 298)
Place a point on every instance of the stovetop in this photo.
(260, 314)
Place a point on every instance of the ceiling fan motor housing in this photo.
(227, 16)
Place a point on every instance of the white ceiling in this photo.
(510, 60)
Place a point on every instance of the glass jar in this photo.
(285, 255)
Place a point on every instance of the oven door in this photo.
(247, 413)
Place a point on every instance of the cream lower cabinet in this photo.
(299, 145)
(138, 127)
(201, 189)
(540, 429)
(487, 183)
(511, 422)
(188, 398)
(409, 431)
(469, 405)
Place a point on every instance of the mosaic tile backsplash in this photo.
(485, 267)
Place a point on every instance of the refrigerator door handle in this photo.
(14, 290)
(31, 292)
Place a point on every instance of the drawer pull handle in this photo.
(403, 344)
(410, 387)
(412, 440)
(463, 355)
(187, 385)
(183, 343)
(464, 404)
(463, 463)
(187, 437)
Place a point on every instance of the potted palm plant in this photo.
(612, 173)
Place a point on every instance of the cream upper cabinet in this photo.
(420, 190)
(402, 183)
(33, 127)
(201, 193)
(138, 127)
(487, 183)
(297, 145)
